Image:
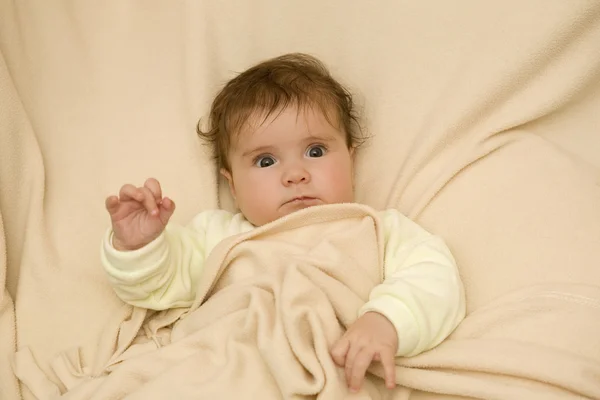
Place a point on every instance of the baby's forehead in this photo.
(310, 117)
(286, 127)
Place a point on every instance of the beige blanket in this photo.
(484, 122)
(275, 300)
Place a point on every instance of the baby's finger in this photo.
(167, 204)
(154, 187)
(149, 201)
(388, 360)
(353, 353)
(130, 192)
(339, 351)
(112, 204)
(359, 368)
(167, 208)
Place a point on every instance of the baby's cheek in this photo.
(260, 191)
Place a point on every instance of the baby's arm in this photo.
(417, 306)
(165, 272)
(422, 294)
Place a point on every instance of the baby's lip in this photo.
(300, 198)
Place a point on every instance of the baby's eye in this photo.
(316, 151)
(264, 161)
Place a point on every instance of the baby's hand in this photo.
(138, 215)
(372, 337)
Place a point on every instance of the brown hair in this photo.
(273, 85)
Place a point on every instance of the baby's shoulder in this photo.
(219, 221)
(398, 226)
(392, 215)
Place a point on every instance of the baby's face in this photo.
(292, 161)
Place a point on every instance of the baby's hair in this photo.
(294, 79)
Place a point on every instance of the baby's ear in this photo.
(229, 178)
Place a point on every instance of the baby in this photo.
(284, 134)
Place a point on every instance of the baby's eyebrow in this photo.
(322, 138)
(257, 150)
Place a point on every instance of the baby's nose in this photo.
(296, 175)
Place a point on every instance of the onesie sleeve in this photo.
(165, 273)
(422, 294)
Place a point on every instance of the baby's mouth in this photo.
(301, 199)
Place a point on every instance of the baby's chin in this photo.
(284, 210)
